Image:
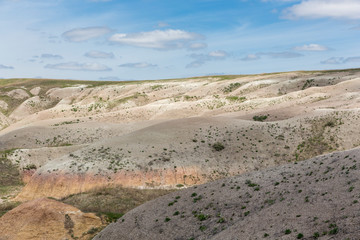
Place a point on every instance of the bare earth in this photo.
(68, 137)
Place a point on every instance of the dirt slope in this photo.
(47, 219)
(182, 152)
(159, 134)
(316, 198)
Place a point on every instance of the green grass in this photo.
(113, 202)
(5, 207)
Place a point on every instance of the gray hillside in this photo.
(314, 199)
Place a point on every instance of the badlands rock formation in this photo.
(62, 137)
(77, 135)
(47, 219)
(315, 199)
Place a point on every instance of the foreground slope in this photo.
(47, 219)
(316, 198)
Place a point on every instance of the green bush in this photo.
(260, 118)
(218, 146)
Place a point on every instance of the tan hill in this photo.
(48, 219)
(73, 136)
(315, 199)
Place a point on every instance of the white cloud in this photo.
(347, 9)
(218, 54)
(99, 54)
(138, 65)
(158, 39)
(5, 67)
(311, 47)
(74, 66)
(84, 34)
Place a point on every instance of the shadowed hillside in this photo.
(314, 199)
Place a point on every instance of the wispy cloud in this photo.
(251, 57)
(341, 60)
(200, 59)
(111, 78)
(51, 56)
(197, 46)
(346, 9)
(281, 54)
(311, 47)
(74, 66)
(352, 59)
(157, 39)
(162, 25)
(5, 67)
(99, 54)
(257, 56)
(138, 65)
(84, 34)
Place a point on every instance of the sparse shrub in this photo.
(218, 146)
(202, 217)
(202, 228)
(330, 124)
(334, 229)
(92, 230)
(30, 166)
(300, 236)
(167, 219)
(112, 217)
(287, 231)
(231, 87)
(260, 118)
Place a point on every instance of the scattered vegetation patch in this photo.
(112, 203)
(308, 83)
(260, 118)
(218, 146)
(236, 98)
(232, 87)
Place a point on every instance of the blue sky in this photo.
(155, 39)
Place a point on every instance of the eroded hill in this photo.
(313, 199)
(67, 137)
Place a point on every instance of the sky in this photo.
(159, 39)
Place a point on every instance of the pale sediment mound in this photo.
(47, 219)
(35, 90)
(3, 105)
(18, 94)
